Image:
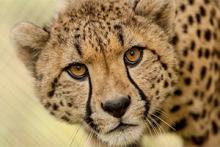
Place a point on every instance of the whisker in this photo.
(148, 128)
(158, 125)
(74, 135)
(161, 112)
(164, 122)
(152, 126)
(165, 115)
(160, 128)
(87, 139)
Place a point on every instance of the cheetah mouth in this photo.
(122, 127)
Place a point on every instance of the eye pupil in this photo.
(78, 67)
(132, 53)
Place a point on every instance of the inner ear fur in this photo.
(29, 40)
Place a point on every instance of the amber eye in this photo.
(133, 56)
(77, 71)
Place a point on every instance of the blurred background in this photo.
(23, 121)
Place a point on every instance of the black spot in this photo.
(77, 36)
(178, 92)
(200, 140)
(207, 53)
(119, 33)
(67, 113)
(210, 99)
(185, 28)
(61, 103)
(202, 94)
(208, 35)
(203, 72)
(164, 66)
(190, 103)
(200, 53)
(219, 23)
(157, 92)
(53, 84)
(215, 103)
(204, 112)
(170, 75)
(66, 29)
(185, 52)
(121, 38)
(182, 7)
(47, 105)
(215, 36)
(158, 81)
(214, 128)
(195, 116)
(196, 93)
(216, 66)
(102, 7)
(51, 93)
(65, 118)
(70, 104)
(206, 1)
(190, 67)
(190, 19)
(202, 11)
(52, 113)
(175, 40)
(55, 107)
(193, 45)
(187, 81)
(211, 21)
(218, 115)
(198, 32)
(208, 85)
(78, 48)
(181, 64)
(175, 108)
(181, 124)
(191, 2)
(198, 18)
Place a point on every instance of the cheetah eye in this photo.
(77, 71)
(133, 56)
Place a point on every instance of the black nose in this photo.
(117, 108)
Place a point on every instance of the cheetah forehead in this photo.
(95, 9)
(94, 22)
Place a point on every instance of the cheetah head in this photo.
(107, 65)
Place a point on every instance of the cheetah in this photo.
(126, 68)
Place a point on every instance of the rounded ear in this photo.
(29, 40)
(162, 12)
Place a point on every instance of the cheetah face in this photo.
(106, 65)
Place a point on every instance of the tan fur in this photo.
(97, 34)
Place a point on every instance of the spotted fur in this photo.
(174, 88)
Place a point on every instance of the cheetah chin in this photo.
(123, 136)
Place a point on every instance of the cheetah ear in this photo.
(29, 40)
(161, 12)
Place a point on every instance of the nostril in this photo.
(118, 107)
